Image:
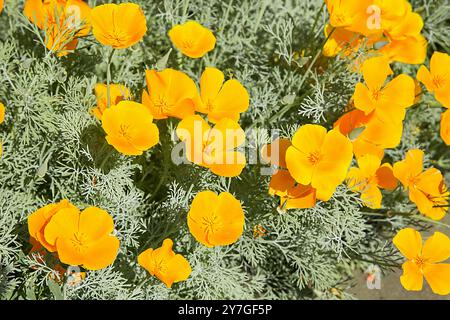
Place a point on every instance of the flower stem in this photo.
(108, 79)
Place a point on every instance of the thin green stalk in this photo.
(108, 79)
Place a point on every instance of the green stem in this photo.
(408, 215)
(108, 79)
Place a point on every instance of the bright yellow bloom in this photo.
(64, 21)
(319, 159)
(215, 220)
(397, 18)
(118, 25)
(192, 39)
(164, 264)
(387, 100)
(118, 93)
(445, 127)
(339, 39)
(213, 148)
(349, 14)
(292, 194)
(426, 188)
(171, 93)
(129, 128)
(219, 99)
(411, 50)
(369, 177)
(83, 238)
(423, 261)
(2, 112)
(1, 6)
(437, 79)
(38, 220)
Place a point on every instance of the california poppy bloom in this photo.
(292, 194)
(319, 158)
(215, 220)
(38, 220)
(219, 99)
(192, 39)
(165, 264)
(1, 6)
(437, 79)
(83, 238)
(411, 50)
(118, 25)
(424, 260)
(427, 188)
(388, 100)
(445, 127)
(340, 40)
(2, 112)
(171, 93)
(118, 93)
(369, 177)
(213, 148)
(350, 14)
(129, 128)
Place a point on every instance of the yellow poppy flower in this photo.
(445, 127)
(83, 238)
(215, 220)
(192, 39)
(118, 25)
(319, 158)
(1, 6)
(117, 93)
(426, 188)
(219, 99)
(411, 50)
(2, 112)
(129, 128)
(369, 177)
(38, 220)
(171, 93)
(292, 194)
(164, 264)
(437, 79)
(423, 261)
(387, 100)
(213, 148)
(349, 14)
(339, 39)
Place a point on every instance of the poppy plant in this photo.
(118, 93)
(437, 79)
(319, 158)
(165, 264)
(213, 148)
(219, 99)
(292, 194)
(388, 100)
(38, 220)
(83, 238)
(118, 25)
(170, 93)
(129, 128)
(427, 188)
(369, 177)
(215, 220)
(350, 14)
(192, 39)
(424, 260)
(1, 6)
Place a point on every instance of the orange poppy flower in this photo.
(213, 148)
(215, 220)
(369, 177)
(319, 159)
(437, 79)
(423, 261)
(2, 112)
(445, 127)
(192, 39)
(219, 99)
(164, 264)
(411, 50)
(387, 100)
(129, 128)
(38, 220)
(118, 25)
(171, 93)
(349, 14)
(1, 6)
(292, 194)
(117, 93)
(83, 238)
(339, 39)
(426, 188)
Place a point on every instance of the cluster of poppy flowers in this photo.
(310, 166)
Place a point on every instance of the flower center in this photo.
(210, 224)
(187, 44)
(419, 261)
(124, 131)
(79, 241)
(162, 104)
(376, 94)
(439, 81)
(314, 157)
